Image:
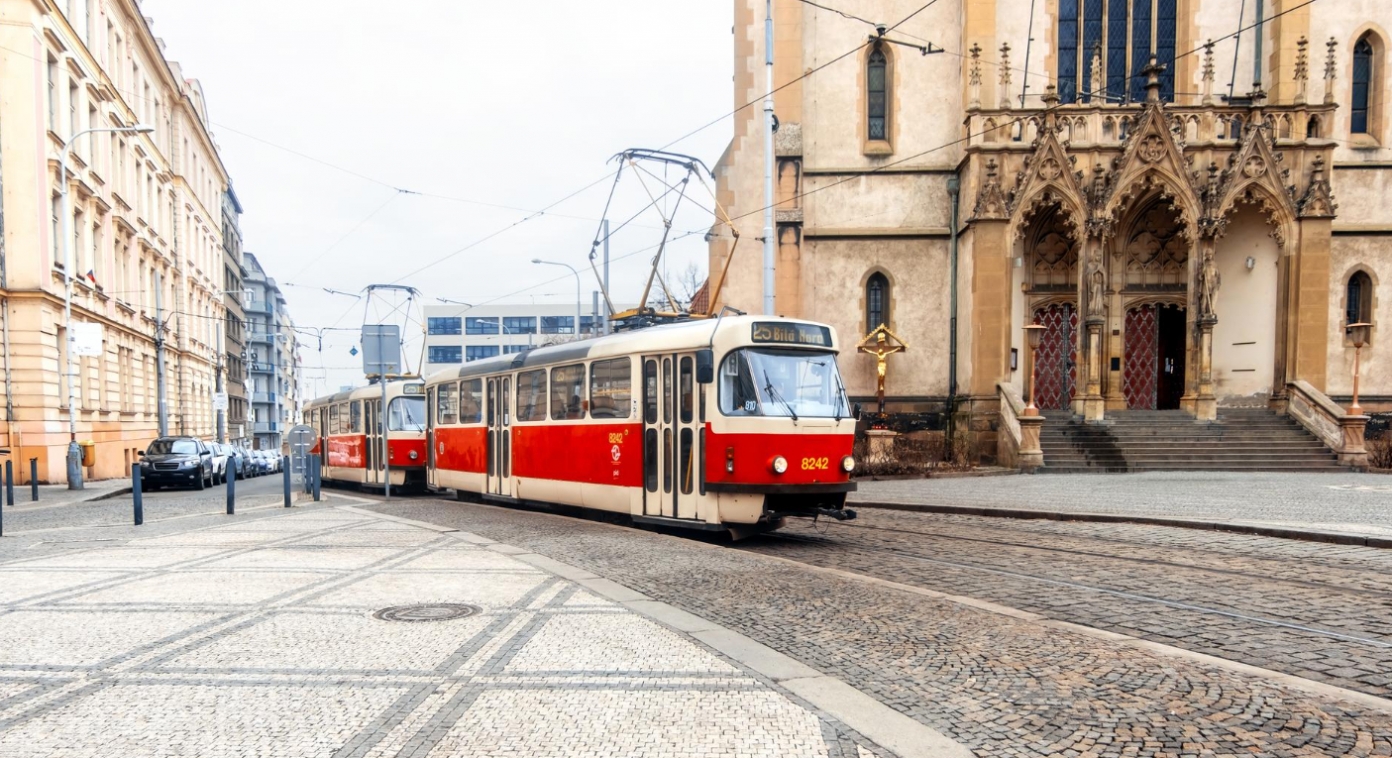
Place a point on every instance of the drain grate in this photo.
(429, 612)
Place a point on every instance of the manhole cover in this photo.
(431, 612)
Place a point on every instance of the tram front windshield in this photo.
(791, 383)
(407, 415)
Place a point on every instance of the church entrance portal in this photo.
(1153, 376)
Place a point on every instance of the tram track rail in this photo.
(1081, 586)
(1153, 561)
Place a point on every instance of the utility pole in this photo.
(159, 356)
(769, 263)
(608, 325)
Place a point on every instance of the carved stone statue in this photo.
(1096, 285)
(1207, 284)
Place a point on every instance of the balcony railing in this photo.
(261, 368)
(265, 427)
(263, 397)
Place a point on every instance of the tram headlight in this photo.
(414, 455)
(848, 464)
(779, 464)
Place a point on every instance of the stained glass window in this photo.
(1360, 299)
(1068, 51)
(1115, 65)
(876, 301)
(1362, 89)
(877, 94)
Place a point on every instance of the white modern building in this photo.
(457, 334)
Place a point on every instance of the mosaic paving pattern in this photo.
(258, 640)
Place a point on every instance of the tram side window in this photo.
(333, 419)
(471, 401)
(567, 392)
(449, 405)
(650, 393)
(611, 388)
(355, 414)
(531, 396)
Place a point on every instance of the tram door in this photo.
(499, 436)
(373, 451)
(670, 436)
(430, 438)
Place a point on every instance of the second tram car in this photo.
(733, 423)
(348, 435)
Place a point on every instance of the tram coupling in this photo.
(840, 514)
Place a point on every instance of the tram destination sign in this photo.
(790, 333)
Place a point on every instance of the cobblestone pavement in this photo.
(258, 638)
(1318, 611)
(165, 503)
(1356, 503)
(1001, 685)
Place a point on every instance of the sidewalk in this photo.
(1353, 509)
(343, 632)
(59, 494)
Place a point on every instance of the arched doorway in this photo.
(1050, 285)
(1154, 292)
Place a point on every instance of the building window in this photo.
(1362, 85)
(1105, 28)
(877, 95)
(1358, 308)
(481, 325)
(589, 324)
(557, 324)
(52, 94)
(519, 324)
(876, 302)
(478, 352)
(445, 354)
(448, 325)
(513, 349)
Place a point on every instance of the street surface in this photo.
(161, 504)
(1007, 683)
(270, 635)
(1353, 503)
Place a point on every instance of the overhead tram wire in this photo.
(1017, 120)
(841, 13)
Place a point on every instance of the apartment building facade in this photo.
(140, 235)
(457, 334)
(273, 370)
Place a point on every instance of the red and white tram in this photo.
(732, 423)
(348, 434)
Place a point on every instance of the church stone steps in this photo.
(1240, 440)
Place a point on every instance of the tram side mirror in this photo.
(855, 411)
(705, 366)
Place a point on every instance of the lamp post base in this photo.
(74, 466)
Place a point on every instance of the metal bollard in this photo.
(9, 483)
(232, 488)
(318, 475)
(135, 494)
(34, 479)
(285, 471)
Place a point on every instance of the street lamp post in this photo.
(1035, 332)
(577, 288)
(1358, 333)
(75, 452)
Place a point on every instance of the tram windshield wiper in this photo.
(776, 395)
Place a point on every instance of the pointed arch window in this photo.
(1108, 29)
(876, 302)
(1362, 86)
(877, 95)
(1358, 305)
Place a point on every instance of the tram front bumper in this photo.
(804, 500)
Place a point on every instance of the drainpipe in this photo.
(954, 188)
(1257, 51)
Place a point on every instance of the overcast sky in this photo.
(515, 104)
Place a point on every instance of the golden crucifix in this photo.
(885, 344)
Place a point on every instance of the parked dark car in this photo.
(237, 461)
(176, 460)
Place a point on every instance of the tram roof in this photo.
(682, 335)
(371, 390)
